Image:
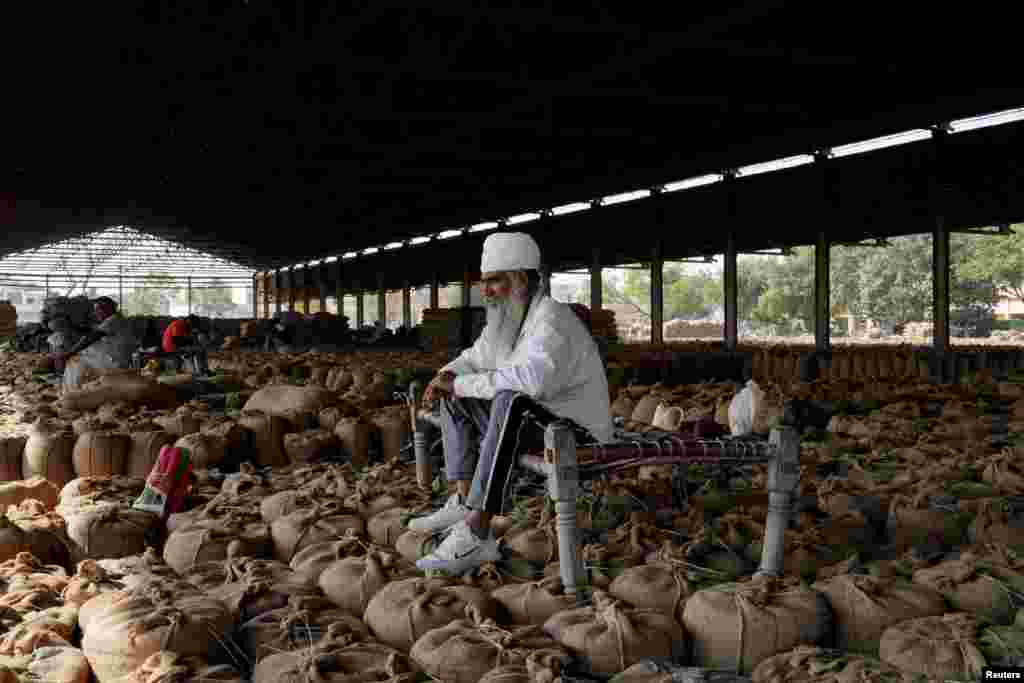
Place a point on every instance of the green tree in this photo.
(212, 300)
(152, 296)
(999, 260)
(788, 289)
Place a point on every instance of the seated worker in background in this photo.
(182, 328)
(108, 347)
(534, 358)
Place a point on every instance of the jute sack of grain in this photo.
(304, 622)
(536, 544)
(268, 437)
(401, 612)
(339, 379)
(145, 452)
(12, 450)
(864, 606)
(45, 532)
(26, 572)
(609, 637)
(464, 650)
(385, 527)
(90, 580)
(249, 588)
(352, 582)
(349, 664)
(309, 446)
(923, 516)
(354, 434)
(215, 541)
(806, 664)
(134, 624)
(55, 665)
(284, 503)
(982, 584)
(623, 407)
(205, 450)
(109, 532)
(329, 417)
(99, 454)
(89, 491)
(181, 423)
(52, 627)
(49, 452)
(395, 430)
(235, 435)
(727, 623)
(998, 520)
(1005, 472)
(304, 528)
(171, 666)
(655, 585)
(36, 488)
(128, 386)
(644, 410)
(941, 648)
(311, 561)
(535, 602)
(536, 669)
(281, 398)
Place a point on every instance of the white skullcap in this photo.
(505, 251)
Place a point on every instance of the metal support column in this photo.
(730, 282)
(822, 303)
(120, 287)
(407, 306)
(46, 294)
(467, 283)
(189, 295)
(435, 292)
(360, 317)
(277, 292)
(321, 283)
(657, 296)
(940, 286)
(291, 290)
(255, 297)
(382, 301)
(339, 289)
(596, 288)
(305, 290)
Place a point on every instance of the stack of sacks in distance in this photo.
(902, 559)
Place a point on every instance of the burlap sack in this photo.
(404, 610)
(985, 587)
(609, 637)
(129, 626)
(311, 561)
(171, 666)
(352, 582)
(349, 664)
(536, 544)
(806, 664)
(25, 572)
(941, 648)
(284, 503)
(537, 669)
(372, 498)
(215, 542)
(864, 606)
(109, 531)
(304, 528)
(56, 665)
(913, 520)
(52, 627)
(45, 533)
(205, 450)
(129, 387)
(302, 624)
(181, 422)
(414, 545)
(310, 445)
(12, 449)
(385, 527)
(535, 602)
(36, 488)
(996, 523)
(101, 453)
(268, 437)
(465, 650)
(736, 626)
(145, 451)
(657, 585)
(90, 580)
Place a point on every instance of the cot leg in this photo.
(563, 487)
(783, 477)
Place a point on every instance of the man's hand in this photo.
(442, 385)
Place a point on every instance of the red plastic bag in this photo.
(167, 483)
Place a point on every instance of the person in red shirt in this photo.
(182, 327)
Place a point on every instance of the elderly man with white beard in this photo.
(535, 362)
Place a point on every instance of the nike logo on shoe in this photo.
(467, 553)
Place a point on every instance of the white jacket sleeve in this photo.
(547, 367)
(469, 361)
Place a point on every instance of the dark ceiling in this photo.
(277, 133)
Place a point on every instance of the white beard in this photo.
(504, 320)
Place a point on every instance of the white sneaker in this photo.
(461, 551)
(453, 512)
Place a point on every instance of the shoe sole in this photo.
(440, 565)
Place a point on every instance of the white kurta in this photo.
(112, 352)
(555, 361)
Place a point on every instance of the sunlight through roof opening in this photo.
(775, 165)
(698, 181)
(625, 197)
(570, 208)
(995, 119)
(907, 136)
(523, 218)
